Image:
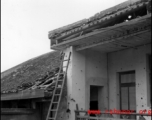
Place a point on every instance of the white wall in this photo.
(76, 81)
(86, 68)
(126, 60)
(96, 74)
(90, 68)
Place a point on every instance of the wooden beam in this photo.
(79, 40)
(26, 94)
(96, 23)
(43, 99)
(109, 41)
(9, 111)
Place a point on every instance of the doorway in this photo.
(127, 92)
(95, 98)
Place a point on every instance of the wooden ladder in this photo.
(57, 93)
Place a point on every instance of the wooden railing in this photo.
(83, 115)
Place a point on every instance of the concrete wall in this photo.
(90, 67)
(75, 81)
(96, 74)
(127, 60)
(86, 68)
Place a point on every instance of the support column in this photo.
(75, 81)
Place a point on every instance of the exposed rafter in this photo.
(110, 34)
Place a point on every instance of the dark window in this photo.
(127, 91)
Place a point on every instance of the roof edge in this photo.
(26, 94)
(99, 15)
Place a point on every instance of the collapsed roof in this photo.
(37, 75)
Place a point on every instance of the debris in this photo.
(46, 82)
(31, 74)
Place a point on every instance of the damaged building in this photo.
(109, 69)
(26, 90)
(110, 66)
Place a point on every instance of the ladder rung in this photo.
(55, 102)
(51, 118)
(53, 110)
(64, 66)
(58, 87)
(62, 72)
(59, 80)
(66, 60)
(57, 94)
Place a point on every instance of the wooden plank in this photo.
(116, 45)
(103, 36)
(43, 100)
(8, 111)
(106, 42)
(27, 94)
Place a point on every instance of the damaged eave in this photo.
(16, 111)
(26, 94)
(110, 34)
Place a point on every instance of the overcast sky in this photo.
(25, 24)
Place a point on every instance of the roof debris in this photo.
(46, 82)
(37, 73)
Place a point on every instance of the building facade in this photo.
(110, 67)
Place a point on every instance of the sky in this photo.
(25, 24)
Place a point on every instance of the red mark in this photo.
(114, 111)
(94, 112)
(149, 112)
